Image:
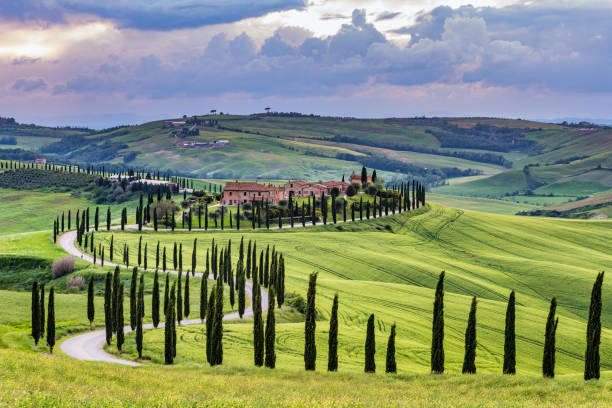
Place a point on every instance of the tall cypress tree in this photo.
(240, 281)
(510, 337)
(108, 316)
(593, 338)
(168, 330)
(186, 309)
(35, 313)
(108, 219)
(332, 357)
(51, 321)
(133, 306)
(469, 359)
(270, 335)
(437, 340)
(120, 333)
(258, 329)
(166, 294)
(90, 301)
(391, 366)
(139, 315)
(193, 257)
(115, 298)
(203, 296)
(210, 318)
(217, 344)
(370, 347)
(174, 257)
(310, 348)
(179, 299)
(155, 300)
(548, 360)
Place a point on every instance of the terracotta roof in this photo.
(247, 186)
(333, 183)
(301, 182)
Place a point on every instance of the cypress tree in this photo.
(203, 296)
(332, 357)
(96, 219)
(179, 299)
(186, 308)
(90, 301)
(510, 338)
(145, 257)
(240, 278)
(591, 360)
(270, 335)
(157, 256)
(155, 300)
(258, 329)
(181, 257)
(174, 257)
(469, 359)
(310, 348)
(111, 249)
(437, 341)
(133, 305)
(548, 360)
(193, 257)
(139, 315)
(248, 261)
(140, 251)
(164, 260)
(35, 313)
(108, 218)
(217, 344)
(166, 294)
(51, 321)
(168, 330)
(115, 299)
(120, 333)
(370, 347)
(209, 326)
(108, 316)
(391, 366)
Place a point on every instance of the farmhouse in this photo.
(355, 178)
(243, 192)
(237, 193)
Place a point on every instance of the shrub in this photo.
(75, 282)
(296, 301)
(62, 266)
(351, 190)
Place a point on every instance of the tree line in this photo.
(211, 312)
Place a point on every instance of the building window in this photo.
(245, 193)
(230, 193)
(259, 193)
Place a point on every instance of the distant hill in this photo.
(282, 146)
(596, 207)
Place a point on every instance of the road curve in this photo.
(89, 346)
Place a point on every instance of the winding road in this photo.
(89, 346)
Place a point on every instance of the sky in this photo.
(106, 63)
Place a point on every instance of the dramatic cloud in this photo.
(147, 14)
(531, 50)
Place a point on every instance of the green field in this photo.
(386, 266)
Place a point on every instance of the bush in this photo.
(62, 266)
(296, 301)
(351, 191)
(77, 282)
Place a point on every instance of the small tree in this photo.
(391, 366)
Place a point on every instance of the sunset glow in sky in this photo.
(93, 63)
